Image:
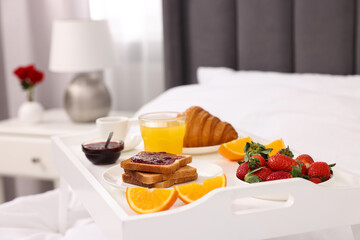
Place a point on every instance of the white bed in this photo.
(314, 114)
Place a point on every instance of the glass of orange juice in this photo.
(163, 131)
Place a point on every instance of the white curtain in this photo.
(136, 27)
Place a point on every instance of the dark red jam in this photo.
(98, 154)
(100, 146)
(155, 158)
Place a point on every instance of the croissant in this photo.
(204, 129)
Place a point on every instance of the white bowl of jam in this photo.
(96, 152)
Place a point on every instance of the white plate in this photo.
(200, 150)
(113, 175)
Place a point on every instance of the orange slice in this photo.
(215, 182)
(193, 191)
(276, 145)
(234, 150)
(145, 200)
(190, 192)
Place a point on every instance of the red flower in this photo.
(29, 74)
(34, 75)
(21, 73)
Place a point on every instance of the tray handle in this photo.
(229, 202)
(254, 198)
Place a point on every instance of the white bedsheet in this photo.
(35, 217)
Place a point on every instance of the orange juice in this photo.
(163, 134)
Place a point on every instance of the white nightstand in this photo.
(26, 149)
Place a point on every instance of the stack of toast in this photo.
(147, 174)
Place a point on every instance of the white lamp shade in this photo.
(80, 46)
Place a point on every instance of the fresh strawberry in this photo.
(278, 175)
(303, 167)
(256, 148)
(242, 170)
(263, 173)
(320, 170)
(305, 159)
(256, 161)
(286, 151)
(315, 180)
(257, 175)
(299, 170)
(279, 162)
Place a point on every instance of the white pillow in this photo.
(221, 75)
(345, 85)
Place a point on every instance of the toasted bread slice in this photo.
(151, 178)
(164, 184)
(153, 168)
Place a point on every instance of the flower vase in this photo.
(30, 112)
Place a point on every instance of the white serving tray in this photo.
(227, 213)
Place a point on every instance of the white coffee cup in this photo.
(116, 124)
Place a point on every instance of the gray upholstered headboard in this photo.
(313, 36)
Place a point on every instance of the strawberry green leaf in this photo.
(247, 146)
(251, 178)
(287, 152)
(253, 148)
(255, 170)
(296, 171)
(332, 165)
(254, 163)
(247, 157)
(266, 151)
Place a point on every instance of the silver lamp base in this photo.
(87, 98)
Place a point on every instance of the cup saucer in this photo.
(131, 142)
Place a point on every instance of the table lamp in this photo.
(84, 47)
